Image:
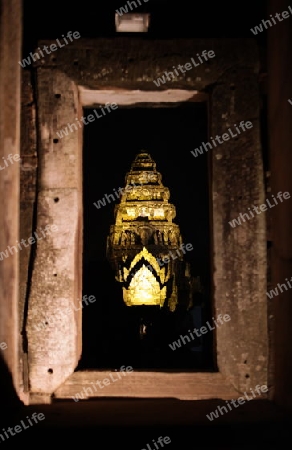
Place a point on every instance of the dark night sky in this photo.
(168, 134)
(110, 145)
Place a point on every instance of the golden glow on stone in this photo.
(144, 289)
(148, 256)
(172, 302)
(131, 212)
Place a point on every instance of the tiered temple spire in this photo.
(145, 245)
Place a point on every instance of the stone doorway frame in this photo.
(68, 81)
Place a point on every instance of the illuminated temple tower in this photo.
(145, 247)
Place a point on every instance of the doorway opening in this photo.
(111, 330)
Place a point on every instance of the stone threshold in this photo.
(141, 384)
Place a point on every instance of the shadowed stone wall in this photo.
(237, 182)
(280, 135)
